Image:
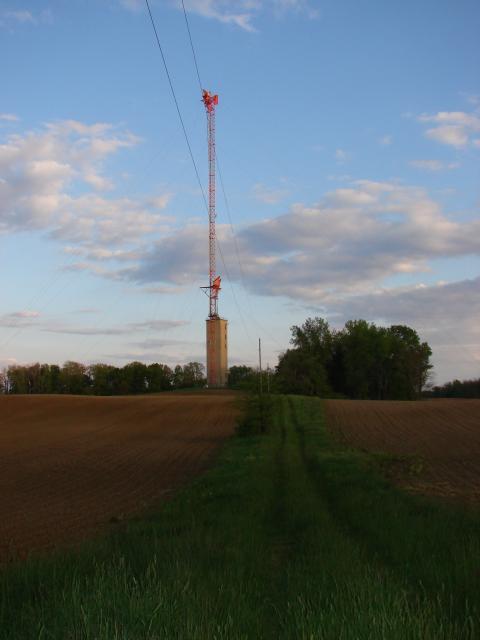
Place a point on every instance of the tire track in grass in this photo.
(277, 543)
(399, 571)
(322, 584)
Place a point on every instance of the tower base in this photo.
(217, 349)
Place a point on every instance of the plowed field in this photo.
(72, 465)
(437, 442)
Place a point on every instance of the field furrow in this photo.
(437, 441)
(70, 466)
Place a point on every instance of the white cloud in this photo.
(385, 140)
(459, 118)
(166, 289)
(10, 18)
(9, 117)
(41, 170)
(133, 5)
(267, 195)
(351, 241)
(161, 201)
(103, 253)
(236, 12)
(19, 318)
(453, 135)
(341, 156)
(454, 128)
(99, 183)
(474, 99)
(26, 314)
(345, 177)
(240, 13)
(22, 16)
(433, 165)
(471, 98)
(128, 329)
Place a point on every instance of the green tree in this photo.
(313, 337)
(55, 379)
(241, 377)
(299, 371)
(134, 375)
(17, 379)
(178, 377)
(304, 368)
(44, 379)
(360, 361)
(410, 363)
(102, 379)
(159, 377)
(193, 375)
(457, 389)
(358, 344)
(73, 378)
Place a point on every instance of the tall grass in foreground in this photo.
(289, 536)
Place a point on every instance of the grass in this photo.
(289, 536)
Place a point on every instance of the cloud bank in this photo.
(454, 128)
(350, 242)
(52, 180)
(239, 13)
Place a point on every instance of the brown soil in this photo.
(71, 466)
(436, 443)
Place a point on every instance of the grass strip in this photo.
(288, 536)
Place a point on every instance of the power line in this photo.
(176, 104)
(186, 135)
(193, 159)
(227, 206)
(242, 272)
(193, 48)
(233, 292)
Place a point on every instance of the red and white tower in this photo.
(217, 367)
(210, 101)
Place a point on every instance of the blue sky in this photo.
(349, 141)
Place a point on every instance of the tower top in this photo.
(209, 100)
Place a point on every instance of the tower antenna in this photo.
(210, 101)
(216, 326)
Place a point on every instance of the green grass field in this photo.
(288, 536)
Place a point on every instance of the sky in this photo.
(348, 138)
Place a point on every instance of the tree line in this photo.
(100, 379)
(456, 389)
(360, 361)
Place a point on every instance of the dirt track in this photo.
(439, 438)
(70, 465)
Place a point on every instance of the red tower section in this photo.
(210, 101)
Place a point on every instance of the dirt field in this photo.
(437, 441)
(72, 465)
